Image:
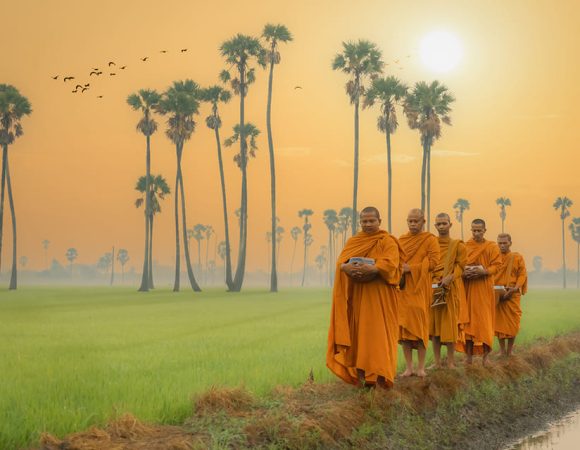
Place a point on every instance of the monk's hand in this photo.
(350, 269)
(446, 281)
(366, 273)
(406, 268)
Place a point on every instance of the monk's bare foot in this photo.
(407, 373)
(421, 373)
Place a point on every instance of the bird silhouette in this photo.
(84, 89)
(95, 68)
(111, 63)
(65, 79)
(183, 50)
(94, 72)
(123, 67)
(162, 51)
(87, 85)
(112, 74)
(55, 77)
(99, 73)
(144, 59)
(99, 96)
(75, 91)
(297, 87)
(78, 86)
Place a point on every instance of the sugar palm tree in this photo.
(198, 235)
(273, 34)
(216, 95)
(13, 107)
(460, 206)
(502, 202)
(181, 103)
(145, 101)
(45, 244)
(248, 133)
(426, 107)
(240, 53)
(158, 189)
(388, 92)
(360, 60)
(305, 213)
(345, 217)
(330, 218)
(563, 204)
(575, 230)
(123, 258)
(71, 255)
(295, 232)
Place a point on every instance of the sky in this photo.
(514, 122)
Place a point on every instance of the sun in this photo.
(441, 51)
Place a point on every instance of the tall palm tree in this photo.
(460, 206)
(45, 244)
(426, 107)
(503, 202)
(388, 92)
(123, 258)
(71, 255)
(112, 266)
(240, 53)
(345, 220)
(295, 232)
(158, 189)
(216, 95)
(306, 213)
(209, 232)
(273, 34)
(330, 218)
(181, 103)
(198, 235)
(13, 107)
(563, 204)
(279, 237)
(360, 60)
(247, 132)
(575, 230)
(145, 101)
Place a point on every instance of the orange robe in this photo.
(480, 295)
(363, 329)
(444, 321)
(512, 273)
(421, 253)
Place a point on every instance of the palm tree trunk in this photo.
(563, 254)
(4, 163)
(423, 178)
(206, 272)
(355, 184)
(292, 262)
(273, 272)
(122, 273)
(329, 255)
(177, 246)
(112, 266)
(228, 260)
(304, 265)
(145, 277)
(151, 284)
(389, 181)
(429, 188)
(14, 273)
(461, 221)
(199, 256)
(578, 265)
(190, 275)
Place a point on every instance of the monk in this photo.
(444, 319)
(483, 262)
(513, 276)
(420, 256)
(362, 338)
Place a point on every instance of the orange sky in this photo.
(514, 133)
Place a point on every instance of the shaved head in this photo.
(443, 216)
(478, 222)
(417, 212)
(505, 236)
(369, 210)
(415, 220)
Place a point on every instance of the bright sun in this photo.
(440, 51)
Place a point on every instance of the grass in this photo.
(74, 357)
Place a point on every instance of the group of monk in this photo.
(420, 288)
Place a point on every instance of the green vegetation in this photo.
(74, 357)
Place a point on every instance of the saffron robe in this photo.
(363, 328)
(512, 273)
(444, 321)
(421, 253)
(480, 295)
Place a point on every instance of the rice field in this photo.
(75, 357)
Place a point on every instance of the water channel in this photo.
(563, 434)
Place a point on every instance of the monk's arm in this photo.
(460, 259)
(433, 253)
(494, 260)
(388, 264)
(522, 273)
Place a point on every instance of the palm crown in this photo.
(563, 203)
(180, 102)
(13, 106)
(239, 52)
(250, 132)
(158, 189)
(146, 100)
(388, 92)
(274, 34)
(214, 95)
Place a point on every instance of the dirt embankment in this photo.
(472, 407)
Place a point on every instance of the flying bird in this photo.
(94, 72)
(75, 91)
(144, 59)
(78, 86)
(111, 63)
(297, 87)
(55, 77)
(95, 68)
(183, 50)
(84, 89)
(123, 67)
(87, 85)
(99, 96)
(162, 51)
(65, 79)
(112, 74)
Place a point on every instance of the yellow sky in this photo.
(514, 133)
